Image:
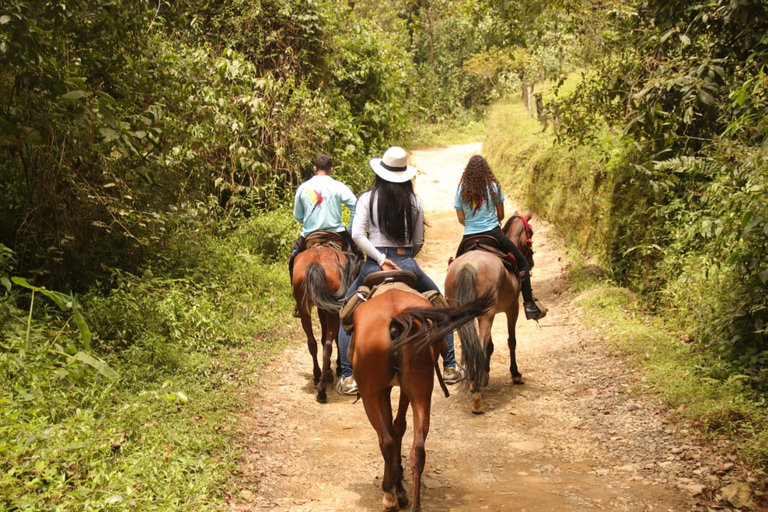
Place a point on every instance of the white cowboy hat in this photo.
(393, 166)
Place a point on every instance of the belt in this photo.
(398, 250)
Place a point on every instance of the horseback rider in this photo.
(479, 205)
(393, 216)
(317, 205)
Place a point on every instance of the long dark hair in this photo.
(477, 183)
(394, 214)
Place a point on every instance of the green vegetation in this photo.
(149, 152)
(547, 178)
(684, 86)
(462, 130)
(147, 425)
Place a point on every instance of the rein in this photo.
(528, 234)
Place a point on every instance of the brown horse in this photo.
(476, 273)
(397, 337)
(321, 276)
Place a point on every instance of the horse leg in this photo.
(400, 427)
(512, 313)
(378, 408)
(488, 354)
(327, 340)
(421, 411)
(484, 325)
(306, 324)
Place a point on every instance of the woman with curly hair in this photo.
(479, 204)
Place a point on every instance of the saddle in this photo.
(325, 238)
(379, 282)
(489, 244)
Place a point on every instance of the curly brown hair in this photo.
(477, 183)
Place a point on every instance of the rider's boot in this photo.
(532, 310)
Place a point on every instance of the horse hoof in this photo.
(402, 499)
(390, 502)
(518, 380)
(322, 397)
(477, 404)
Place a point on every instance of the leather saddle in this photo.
(389, 277)
(379, 282)
(489, 244)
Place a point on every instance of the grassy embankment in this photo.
(185, 339)
(572, 189)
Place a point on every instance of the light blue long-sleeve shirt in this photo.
(317, 204)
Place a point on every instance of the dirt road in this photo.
(571, 438)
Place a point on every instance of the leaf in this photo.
(685, 39)
(100, 366)
(109, 134)
(746, 218)
(5, 282)
(4, 19)
(74, 95)
(705, 97)
(64, 302)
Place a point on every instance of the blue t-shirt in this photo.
(479, 218)
(317, 204)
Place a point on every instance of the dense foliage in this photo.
(119, 116)
(680, 184)
(146, 424)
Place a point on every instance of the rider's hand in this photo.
(389, 265)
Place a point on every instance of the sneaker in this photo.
(347, 386)
(452, 375)
(533, 311)
(296, 313)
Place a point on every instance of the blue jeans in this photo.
(423, 284)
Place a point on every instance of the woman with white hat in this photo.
(393, 216)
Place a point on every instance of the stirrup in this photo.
(533, 311)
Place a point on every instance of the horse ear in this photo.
(528, 214)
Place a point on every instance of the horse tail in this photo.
(472, 350)
(422, 327)
(348, 271)
(316, 289)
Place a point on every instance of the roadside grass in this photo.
(466, 129)
(184, 342)
(671, 364)
(559, 184)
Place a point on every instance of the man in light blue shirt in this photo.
(317, 205)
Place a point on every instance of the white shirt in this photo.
(375, 237)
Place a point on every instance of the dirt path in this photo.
(570, 438)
